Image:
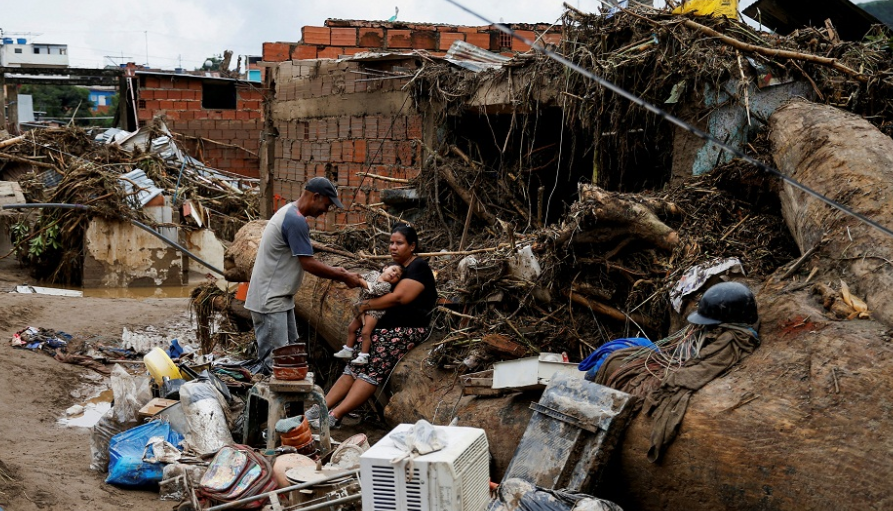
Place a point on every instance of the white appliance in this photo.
(456, 478)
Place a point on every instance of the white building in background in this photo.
(18, 52)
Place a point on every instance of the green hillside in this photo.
(880, 9)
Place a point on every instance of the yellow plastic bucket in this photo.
(161, 365)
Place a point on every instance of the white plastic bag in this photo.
(204, 408)
(130, 392)
(422, 438)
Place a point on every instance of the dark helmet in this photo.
(727, 302)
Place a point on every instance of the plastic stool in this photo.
(276, 393)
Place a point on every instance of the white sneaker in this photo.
(345, 353)
(312, 413)
(362, 359)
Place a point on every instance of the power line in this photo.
(677, 121)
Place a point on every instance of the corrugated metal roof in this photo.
(473, 58)
(140, 188)
(165, 147)
(784, 16)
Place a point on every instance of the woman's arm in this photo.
(406, 291)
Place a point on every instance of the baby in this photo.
(373, 284)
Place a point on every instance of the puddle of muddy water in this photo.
(93, 410)
(138, 292)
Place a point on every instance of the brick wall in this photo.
(333, 120)
(371, 126)
(178, 99)
(349, 37)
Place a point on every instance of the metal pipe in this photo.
(237, 503)
(139, 224)
(329, 503)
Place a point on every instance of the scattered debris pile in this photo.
(112, 175)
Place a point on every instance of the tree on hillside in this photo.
(59, 100)
(880, 9)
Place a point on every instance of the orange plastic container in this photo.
(242, 291)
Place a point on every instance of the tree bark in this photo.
(803, 423)
(844, 157)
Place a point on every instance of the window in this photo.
(505, 41)
(18, 50)
(63, 51)
(218, 96)
(36, 49)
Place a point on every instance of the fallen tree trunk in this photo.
(327, 307)
(803, 423)
(844, 157)
(238, 259)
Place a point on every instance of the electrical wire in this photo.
(677, 121)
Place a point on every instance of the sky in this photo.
(184, 33)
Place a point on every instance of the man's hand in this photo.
(353, 279)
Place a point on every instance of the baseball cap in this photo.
(325, 187)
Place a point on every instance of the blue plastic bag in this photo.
(594, 361)
(126, 465)
(175, 350)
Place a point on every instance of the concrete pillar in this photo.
(2, 101)
(268, 139)
(13, 114)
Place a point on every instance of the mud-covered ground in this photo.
(44, 465)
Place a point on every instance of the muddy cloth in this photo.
(630, 370)
(82, 360)
(668, 403)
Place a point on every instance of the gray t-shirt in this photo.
(277, 273)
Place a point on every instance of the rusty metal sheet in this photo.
(569, 440)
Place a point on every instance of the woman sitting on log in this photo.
(404, 325)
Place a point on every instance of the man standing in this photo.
(283, 256)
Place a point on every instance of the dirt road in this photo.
(44, 465)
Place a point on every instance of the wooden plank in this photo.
(11, 193)
(156, 405)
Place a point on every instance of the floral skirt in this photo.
(388, 347)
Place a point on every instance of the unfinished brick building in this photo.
(219, 120)
(345, 118)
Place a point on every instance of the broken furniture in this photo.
(480, 384)
(578, 423)
(274, 394)
(531, 372)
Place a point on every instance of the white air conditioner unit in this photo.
(456, 478)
